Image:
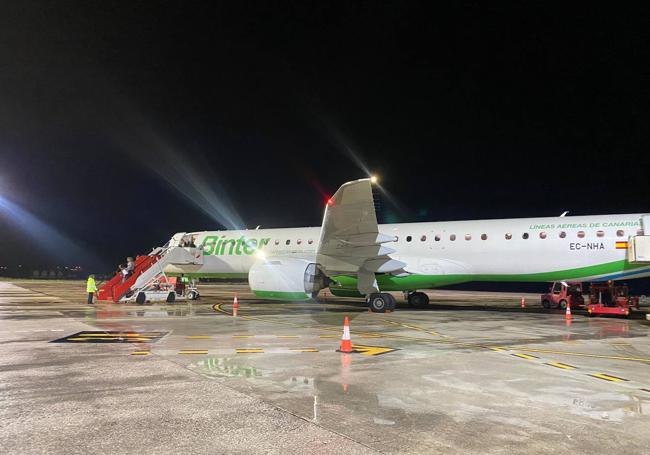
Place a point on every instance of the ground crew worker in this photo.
(91, 288)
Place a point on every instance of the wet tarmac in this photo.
(472, 374)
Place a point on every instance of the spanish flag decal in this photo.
(621, 245)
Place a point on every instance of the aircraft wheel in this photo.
(563, 304)
(379, 302)
(391, 302)
(141, 298)
(419, 300)
(546, 304)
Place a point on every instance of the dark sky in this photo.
(113, 115)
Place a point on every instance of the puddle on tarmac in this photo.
(224, 367)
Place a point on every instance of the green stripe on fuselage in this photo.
(280, 295)
(395, 283)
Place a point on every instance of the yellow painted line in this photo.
(494, 348)
(198, 337)
(608, 377)
(646, 390)
(249, 351)
(305, 350)
(106, 339)
(370, 335)
(287, 336)
(140, 353)
(243, 336)
(329, 336)
(116, 335)
(526, 356)
(564, 366)
(193, 352)
(372, 350)
(580, 354)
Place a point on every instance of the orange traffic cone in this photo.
(523, 303)
(567, 315)
(346, 343)
(235, 306)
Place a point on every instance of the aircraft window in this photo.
(277, 241)
(542, 235)
(562, 234)
(600, 233)
(483, 236)
(468, 236)
(310, 241)
(452, 237)
(581, 234)
(299, 241)
(525, 235)
(409, 238)
(620, 233)
(508, 235)
(288, 242)
(639, 232)
(423, 238)
(437, 238)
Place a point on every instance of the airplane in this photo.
(354, 256)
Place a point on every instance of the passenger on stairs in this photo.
(128, 270)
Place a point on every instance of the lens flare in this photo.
(50, 240)
(188, 172)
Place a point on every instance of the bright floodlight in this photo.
(373, 179)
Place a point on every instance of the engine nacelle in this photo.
(286, 278)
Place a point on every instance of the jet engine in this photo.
(287, 279)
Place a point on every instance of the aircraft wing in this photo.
(350, 241)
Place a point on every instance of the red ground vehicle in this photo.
(606, 298)
(562, 293)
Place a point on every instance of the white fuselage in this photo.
(527, 249)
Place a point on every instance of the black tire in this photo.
(419, 300)
(378, 302)
(546, 304)
(192, 295)
(562, 304)
(391, 302)
(140, 298)
(171, 297)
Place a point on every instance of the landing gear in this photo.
(418, 299)
(380, 302)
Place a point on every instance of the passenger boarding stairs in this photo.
(149, 269)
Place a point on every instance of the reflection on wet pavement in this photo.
(467, 376)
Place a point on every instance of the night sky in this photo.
(122, 123)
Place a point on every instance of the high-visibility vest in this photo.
(90, 285)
